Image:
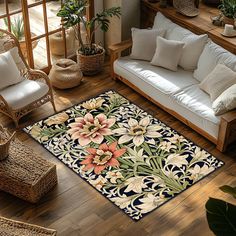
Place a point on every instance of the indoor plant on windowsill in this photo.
(228, 9)
(90, 56)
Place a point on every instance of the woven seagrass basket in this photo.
(91, 65)
(5, 141)
(187, 7)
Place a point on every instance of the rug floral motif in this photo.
(132, 158)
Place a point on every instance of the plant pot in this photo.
(23, 45)
(228, 20)
(57, 46)
(5, 141)
(91, 65)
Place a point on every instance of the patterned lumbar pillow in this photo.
(218, 81)
(144, 43)
(168, 53)
(226, 101)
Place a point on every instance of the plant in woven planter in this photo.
(228, 9)
(90, 56)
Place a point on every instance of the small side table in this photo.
(25, 174)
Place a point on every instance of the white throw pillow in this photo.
(212, 55)
(144, 43)
(220, 79)
(9, 73)
(194, 44)
(17, 59)
(192, 50)
(226, 101)
(168, 53)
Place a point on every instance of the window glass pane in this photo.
(14, 5)
(2, 7)
(40, 54)
(54, 22)
(36, 20)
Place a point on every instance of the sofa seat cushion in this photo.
(173, 90)
(168, 82)
(24, 93)
(198, 102)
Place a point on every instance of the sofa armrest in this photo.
(115, 51)
(227, 130)
(229, 116)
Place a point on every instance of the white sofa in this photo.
(178, 92)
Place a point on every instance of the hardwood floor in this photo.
(74, 208)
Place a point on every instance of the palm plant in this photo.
(72, 14)
(228, 8)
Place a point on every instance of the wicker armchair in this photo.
(34, 91)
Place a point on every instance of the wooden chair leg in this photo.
(53, 105)
(16, 121)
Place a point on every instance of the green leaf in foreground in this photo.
(228, 189)
(221, 217)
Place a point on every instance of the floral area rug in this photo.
(132, 158)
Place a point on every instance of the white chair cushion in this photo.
(141, 48)
(24, 93)
(9, 73)
(212, 55)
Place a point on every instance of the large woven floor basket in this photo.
(5, 141)
(91, 65)
(16, 228)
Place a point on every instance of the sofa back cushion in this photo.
(144, 43)
(161, 22)
(9, 73)
(194, 44)
(212, 55)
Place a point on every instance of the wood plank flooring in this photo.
(74, 208)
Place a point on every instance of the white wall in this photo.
(99, 35)
(120, 28)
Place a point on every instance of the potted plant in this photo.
(90, 56)
(17, 29)
(228, 9)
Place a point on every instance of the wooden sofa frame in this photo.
(227, 129)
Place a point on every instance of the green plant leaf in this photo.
(228, 189)
(221, 217)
